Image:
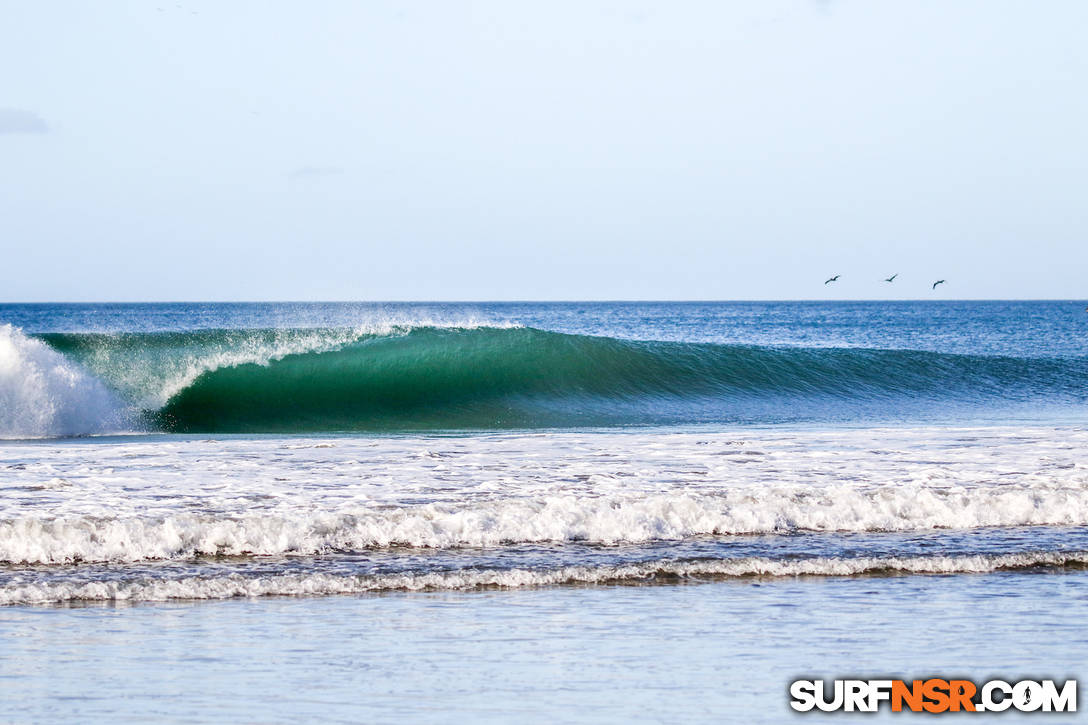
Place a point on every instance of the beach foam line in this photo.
(601, 520)
(661, 571)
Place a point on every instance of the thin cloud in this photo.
(15, 120)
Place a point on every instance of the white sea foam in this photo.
(177, 499)
(606, 520)
(315, 584)
(44, 394)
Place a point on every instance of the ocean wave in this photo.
(477, 377)
(525, 378)
(606, 520)
(660, 571)
(150, 368)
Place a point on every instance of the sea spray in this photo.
(44, 393)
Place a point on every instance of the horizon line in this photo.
(532, 301)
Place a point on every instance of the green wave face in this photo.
(490, 378)
(436, 378)
(524, 378)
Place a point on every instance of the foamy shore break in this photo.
(136, 500)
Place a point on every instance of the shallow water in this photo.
(711, 652)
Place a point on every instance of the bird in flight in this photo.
(940, 281)
(833, 279)
(892, 278)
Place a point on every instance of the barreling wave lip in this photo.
(665, 571)
(481, 378)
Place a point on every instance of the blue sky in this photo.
(559, 150)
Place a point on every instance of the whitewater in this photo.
(136, 501)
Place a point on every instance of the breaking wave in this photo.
(606, 520)
(473, 378)
(45, 394)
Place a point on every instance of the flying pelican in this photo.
(892, 278)
(833, 279)
(940, 281)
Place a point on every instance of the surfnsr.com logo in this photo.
(934, 695)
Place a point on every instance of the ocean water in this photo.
(573, 512)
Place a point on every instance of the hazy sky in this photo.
(547, 150)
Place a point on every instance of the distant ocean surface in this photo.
(169, 453)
